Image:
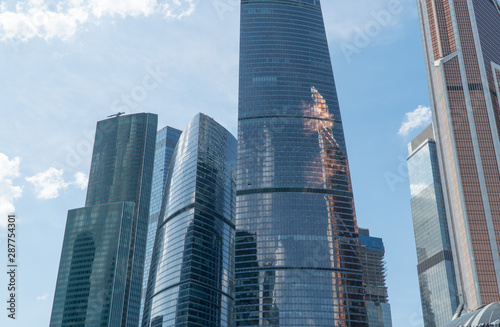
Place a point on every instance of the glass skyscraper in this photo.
(461, 41)
(297, 246)
(377, 298)
(190, 281)
(438, 290)
(100, 273)
(166, 140)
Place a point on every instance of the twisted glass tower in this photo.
(297, 246)
(191, 274)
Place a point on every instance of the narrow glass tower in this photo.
(166, 140)
(297, 249)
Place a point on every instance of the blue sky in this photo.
(67, 64)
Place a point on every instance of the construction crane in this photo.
(116, 115)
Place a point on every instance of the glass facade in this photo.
(166, 140)
(372, 259)
(297, 248)
(438, 290)
(190, 281)
(91, 282)
(462, 50)
(121, 171)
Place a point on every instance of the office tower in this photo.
(295, 206)
(191, 276)
(436, 274)
(377, 300)
(166, 139)
(461, 41)
(102, 259)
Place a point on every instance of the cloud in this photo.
(8, 192)
(42, 297)
(61, 19)
(419, 117)
(178, 9)
(50, 182)
(81, 180)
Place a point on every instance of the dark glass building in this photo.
(374, 274)
(101, 268)
(461, 41)
(166, 140)
(190, 281)
(297, 248)
(438, 290)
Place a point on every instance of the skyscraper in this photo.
(166, 140)
(462, 50)
(295, 208)
(377, 298)
(436, 273)
(100, 273)
(191, 275)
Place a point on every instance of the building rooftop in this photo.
(488, 315)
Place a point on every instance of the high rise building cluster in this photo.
(198, 228)
(454, 164)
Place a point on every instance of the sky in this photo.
(64, 65)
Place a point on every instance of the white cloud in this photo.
(8, 192)
(81, 180)
(178, 9)
(123, 8)
(48, 183)
(42, 297)
(419, 117)
(62, 18)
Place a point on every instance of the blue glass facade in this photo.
(166, 140)
(297, 249)
(121, 172)
(438, 290)
(190, 281)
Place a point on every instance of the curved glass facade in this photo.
(166, 140)
(297, 248)
(193, 257)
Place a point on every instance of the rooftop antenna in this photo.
(116, 115)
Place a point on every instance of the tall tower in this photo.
(102, 259)
(166, 140)
(297, 246)
(462, 50)
(436, 271)
(192, 266)
(374, 273)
